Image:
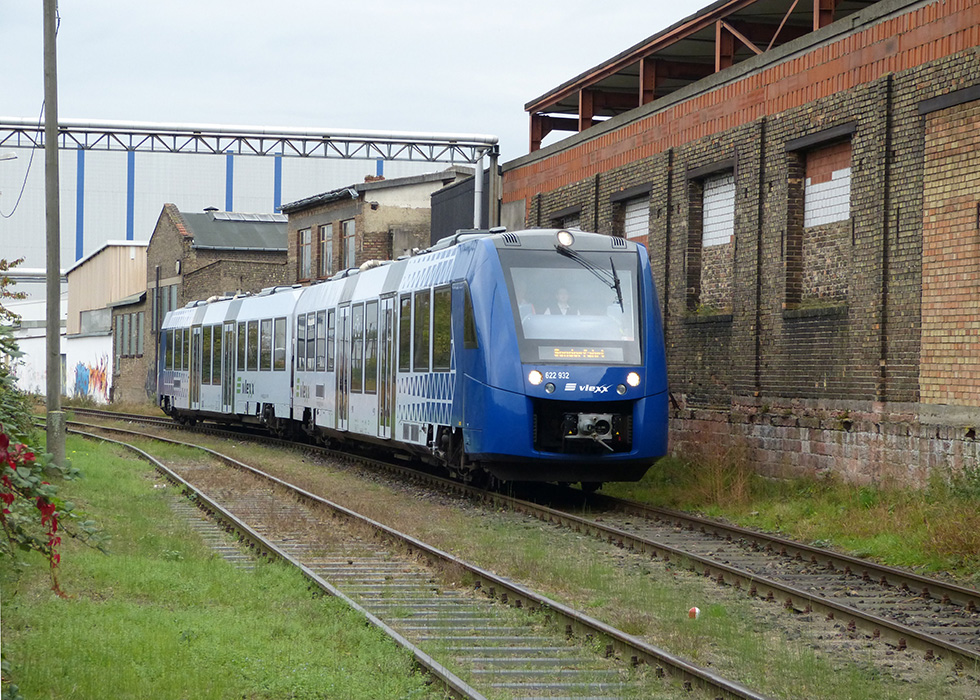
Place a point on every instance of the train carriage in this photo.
(528, 356)
(229, 359)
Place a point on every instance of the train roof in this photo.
(535, 239)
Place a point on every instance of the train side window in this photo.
(241, 345)
(216, 355)
(321, 356)
(265, 345)
(331, 337)
(405, 334)
(310, 341)
(421, 348)
(206, 355)
(470, 341)
(253, 346)
(279, 345)
(301, 342)
(357, 349)
(371, 348)
(168, 353)
(185, 350)
(442, 320)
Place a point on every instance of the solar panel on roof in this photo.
(242, 216)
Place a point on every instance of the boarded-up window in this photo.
(718, 210)
(827, 194)
(636, 218)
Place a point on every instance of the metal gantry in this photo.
(278, 142)
(213, 139)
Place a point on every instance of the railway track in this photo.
(904, 611)
(479, 634)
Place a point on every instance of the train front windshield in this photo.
(577, 307)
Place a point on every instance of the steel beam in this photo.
(258, 141)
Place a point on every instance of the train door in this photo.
(343, 366)
(228, 348)
(196, 367)
(386, 367)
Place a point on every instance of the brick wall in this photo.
(198, 274)
(951, 258)
(376, 227)
(815, 361)
(312, 218)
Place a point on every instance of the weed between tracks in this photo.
(935, 530)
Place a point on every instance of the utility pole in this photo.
(52, 203)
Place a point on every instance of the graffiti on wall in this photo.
(92, 379)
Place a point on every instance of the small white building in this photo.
(30, 332)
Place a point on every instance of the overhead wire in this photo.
(30, 162)
(40, 120)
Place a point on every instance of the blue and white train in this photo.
(517, 356)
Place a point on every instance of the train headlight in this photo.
(535, 377)
(566, 238)
(633, 379)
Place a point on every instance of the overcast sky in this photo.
(447, 66)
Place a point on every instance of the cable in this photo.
(29, 163)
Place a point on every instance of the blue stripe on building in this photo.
(80, 205)
(277, 185)
(130, 193)
(229, 181)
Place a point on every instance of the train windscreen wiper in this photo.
(604, 276)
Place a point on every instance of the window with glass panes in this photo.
(350, 242)
(326, 250)
(304, 254)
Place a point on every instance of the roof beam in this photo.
(823, 13)
(544, 124)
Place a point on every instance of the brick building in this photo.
(377, 219)
(192, 256)
(808, 189)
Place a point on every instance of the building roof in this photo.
(716, 37)
(224, 230)
(104, 246)
(355, 191)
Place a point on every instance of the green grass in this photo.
(933, 530)
(161, 617)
